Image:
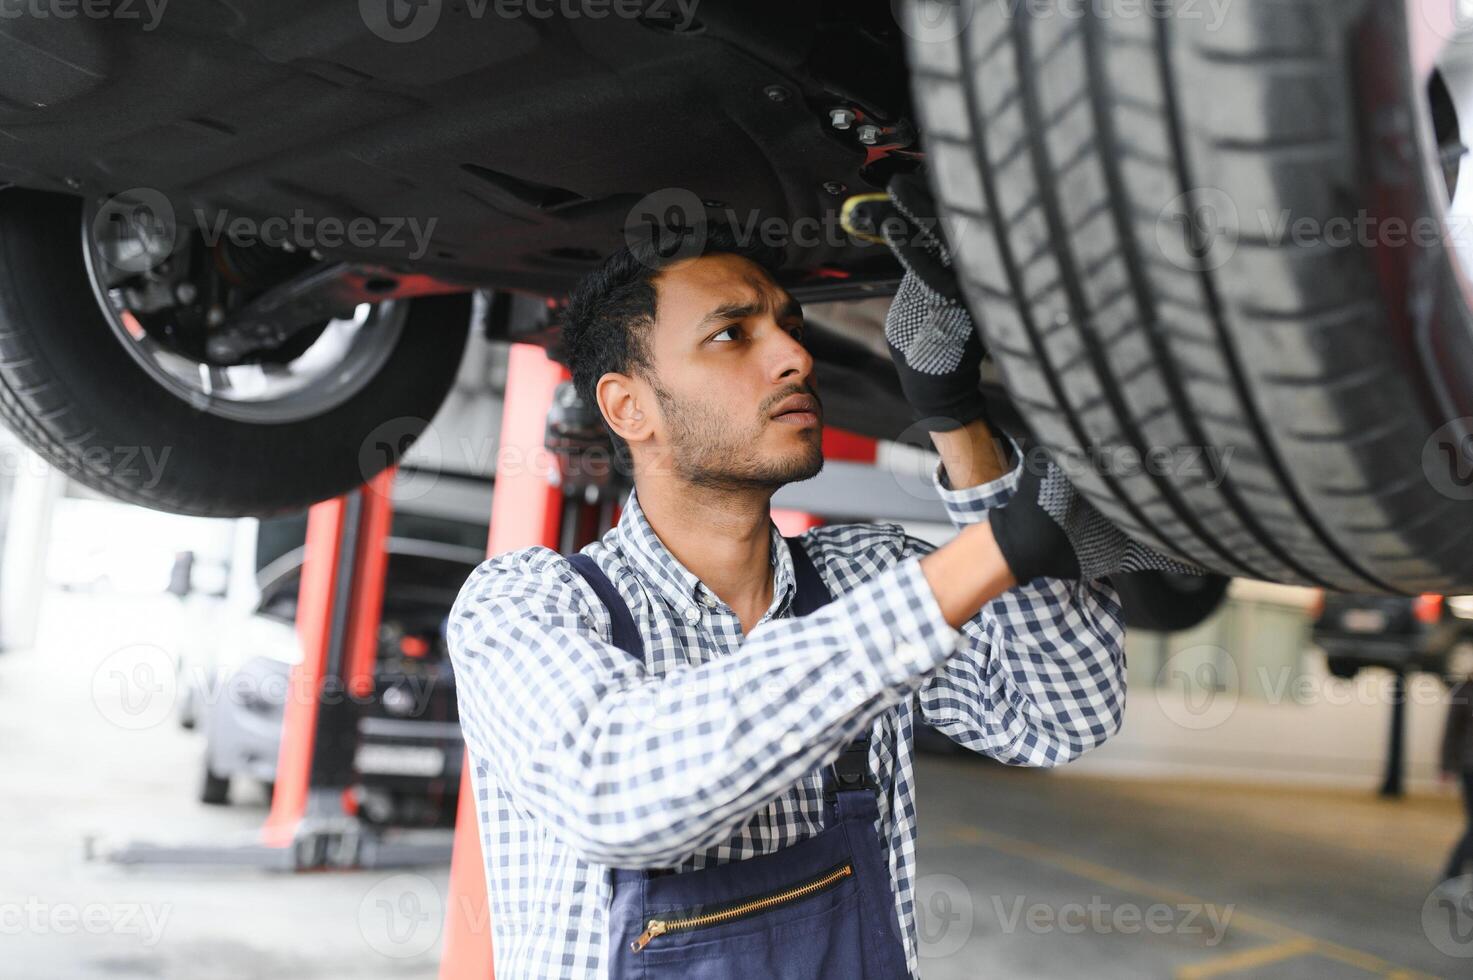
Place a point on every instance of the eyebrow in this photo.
(742, 310)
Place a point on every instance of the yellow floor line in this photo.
(1122, 881)
(1245, 959)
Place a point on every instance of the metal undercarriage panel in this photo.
(517, 144)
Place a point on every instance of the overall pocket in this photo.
(705, 917)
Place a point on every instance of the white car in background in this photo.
(235, 675)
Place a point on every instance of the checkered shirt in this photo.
(712, 749)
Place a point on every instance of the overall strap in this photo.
(812, 594)
(850, 771)
(626, 635)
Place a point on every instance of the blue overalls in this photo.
(821, 909)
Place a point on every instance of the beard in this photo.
(711, 450)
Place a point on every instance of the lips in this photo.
(797, 405)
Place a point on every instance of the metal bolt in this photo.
(869, 134)
(186, 292)
(777, 93)
(841, 118)
(834, 187)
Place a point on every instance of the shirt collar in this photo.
(678, 585)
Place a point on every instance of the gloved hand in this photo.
(932, 339)
(1047, 528)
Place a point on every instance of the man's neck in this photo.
(723, 537)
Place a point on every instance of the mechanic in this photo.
(692, 745)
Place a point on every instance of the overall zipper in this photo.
(658, 927)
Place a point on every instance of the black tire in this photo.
(72, 392)
(1065, 145)
(1165, 602)
(214, 790)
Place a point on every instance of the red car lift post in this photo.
(339, 606)
(526, 509)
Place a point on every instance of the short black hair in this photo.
(611, 310)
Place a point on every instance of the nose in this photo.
(790, 360)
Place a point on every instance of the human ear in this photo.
(619, 400)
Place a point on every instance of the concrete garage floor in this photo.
(1140, 879)
(1023, 874)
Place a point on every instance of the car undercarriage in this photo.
(266, 227)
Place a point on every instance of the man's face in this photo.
(736, 392)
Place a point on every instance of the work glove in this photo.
(932, 339)
(1047, 528)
